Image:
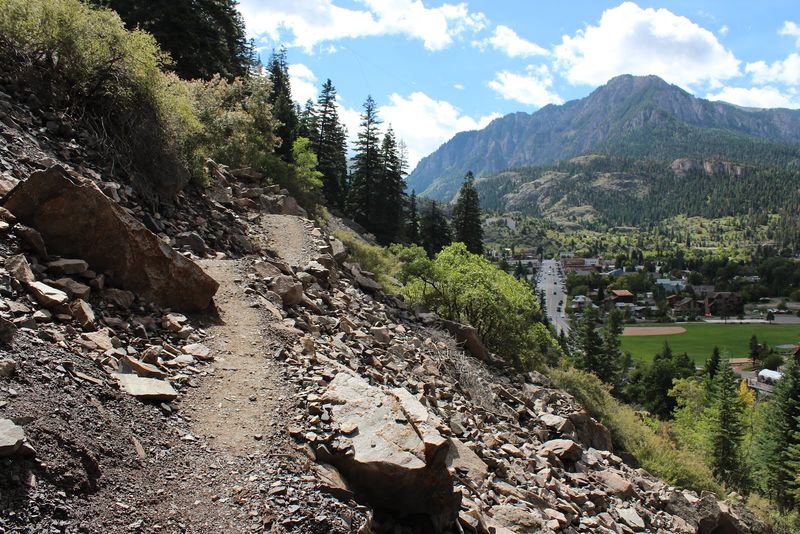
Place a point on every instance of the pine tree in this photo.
(389, 198)
(412, 220)
(755, 349)
(727, 431)
(467, 216)
(777, 440)
(367, 168)
(308, 124)
(203, 37)
(283, 108)
(434, 232)
(331, 147)
(712, 365)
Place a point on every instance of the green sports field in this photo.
(699, 339)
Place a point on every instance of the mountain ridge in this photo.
(640, 116)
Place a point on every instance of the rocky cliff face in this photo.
(304, 400)
(630, 115)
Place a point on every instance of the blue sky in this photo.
(436, 68)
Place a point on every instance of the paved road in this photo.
(555, 295)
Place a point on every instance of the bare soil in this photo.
(652, 330)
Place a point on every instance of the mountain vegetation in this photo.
(204, 38)
(635, 117)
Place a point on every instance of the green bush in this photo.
(237, 124)
(468, 288)
(630, 432)
(372, 258)
(82, 60)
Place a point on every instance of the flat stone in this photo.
(11, 437)
(146, 388)
(614, 483)
(141, 368)
(566, 449)
(72, 288)
(198, 350)
(631, 518)
(48, 296)
(67, 266)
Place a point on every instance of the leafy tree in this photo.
(466, 287)
(367, 168)
(307, 177)
(650, 383)
(434, 231)
(283, 107)
(467, 216)
(777, 439)
(203, 37)
(726, 430)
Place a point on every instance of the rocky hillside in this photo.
(641, 117)
(218, 365)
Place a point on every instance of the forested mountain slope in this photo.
(642, 117)
(633, 192)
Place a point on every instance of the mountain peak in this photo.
(643, 116)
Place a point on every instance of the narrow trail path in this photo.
(239, 409)
(290, 237)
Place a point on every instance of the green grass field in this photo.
(699, 340)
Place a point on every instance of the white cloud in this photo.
(312, 22)
(533, 88)
(302, 82)
(756, 97)
(782, 71)
(723, 31)
(459, 86)
(424, 123)
(632, 40)
(507, 41)
(791, 29)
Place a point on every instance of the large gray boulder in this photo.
(398, 459)
(77, 220)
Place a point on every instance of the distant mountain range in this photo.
(640, 117)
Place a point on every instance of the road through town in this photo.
(555, 295)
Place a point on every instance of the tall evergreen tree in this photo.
(367, 168)
(467, 216)
(283, 108)
(389, 197)
(412, 221)
(308, 123)
(331, 147)
(434, 231)
(712, 365)
(727, 431)
(777, 439)
(203, 37)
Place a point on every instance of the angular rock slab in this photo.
(146, 388)
(11, 437)
(398, 457)
(77, 220)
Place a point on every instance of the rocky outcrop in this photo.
(390, 453)
(77, 220)
(710, 167)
